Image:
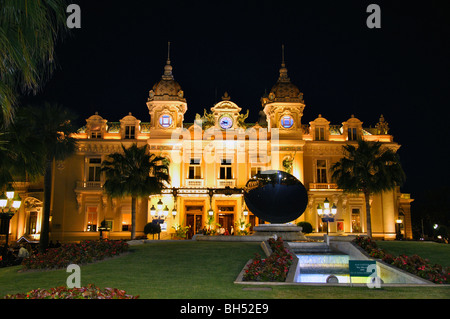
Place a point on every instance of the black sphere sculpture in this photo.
(275, 196)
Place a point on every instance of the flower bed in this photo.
(89, 292)
(273, 268)
(414, 264)
(82, 253)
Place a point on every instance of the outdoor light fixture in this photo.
(333, 210)
(319, 210)
(327, 214)
(245, 211)
(153, 210)
(166, 211)
(326, 204)
(210, 212)
(9, 204)
(3, 201)
(174, 212)
(159, 205)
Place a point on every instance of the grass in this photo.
(193, 270)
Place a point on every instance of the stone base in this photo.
(287, 232)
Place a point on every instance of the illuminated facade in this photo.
(210, 162)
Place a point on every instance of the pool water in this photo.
(323, 268)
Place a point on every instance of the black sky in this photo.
(342, 67)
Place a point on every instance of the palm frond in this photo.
(368, 167)
(134, 172)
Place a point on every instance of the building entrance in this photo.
(226, 219)
(194, 219)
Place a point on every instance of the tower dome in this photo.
(167, 88)
(284, 90)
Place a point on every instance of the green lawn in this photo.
(192, 270)
(436, 253)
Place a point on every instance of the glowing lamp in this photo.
(319, 210)
(159, 205)
(16, 202)
(153, 210)
(333, 209)
(326, 203)
(10, 192)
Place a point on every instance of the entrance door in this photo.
(194, 218)
(227, 222)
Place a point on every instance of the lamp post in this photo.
(326, 213)
(9, 204)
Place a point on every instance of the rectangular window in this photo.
(130, 132)
(321, 171)
(195, 169)
(96, 134)
(352, 136)
(319, 134)
(91, 218)
(94, 169)
(225, 169)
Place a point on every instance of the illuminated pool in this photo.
(323, 268)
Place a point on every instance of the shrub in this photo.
(152, 228)
(306, 227)
(273, 268)
(413, 264)
(82, 253)
(89, 292)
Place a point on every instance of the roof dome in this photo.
(167, 88)
(284, 90)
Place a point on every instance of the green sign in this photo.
(362, 268)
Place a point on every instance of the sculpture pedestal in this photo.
(285, 231)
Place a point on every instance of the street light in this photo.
(9, 204)
(327, 214)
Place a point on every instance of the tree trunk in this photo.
(369, 220)
(133, 217)
(45, 228)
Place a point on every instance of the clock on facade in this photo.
(165, 120)
(287, 121)
(225, 122)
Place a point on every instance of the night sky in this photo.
(401, 70)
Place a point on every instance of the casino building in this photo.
(211, 161)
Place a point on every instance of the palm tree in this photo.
(134, 173)
(29, 31)
(21, 156)
(43, 137)
(368, 168)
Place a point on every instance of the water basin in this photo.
(323, 268)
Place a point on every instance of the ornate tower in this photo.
(166, 103)
(284, 105)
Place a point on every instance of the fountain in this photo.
(276, 197)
